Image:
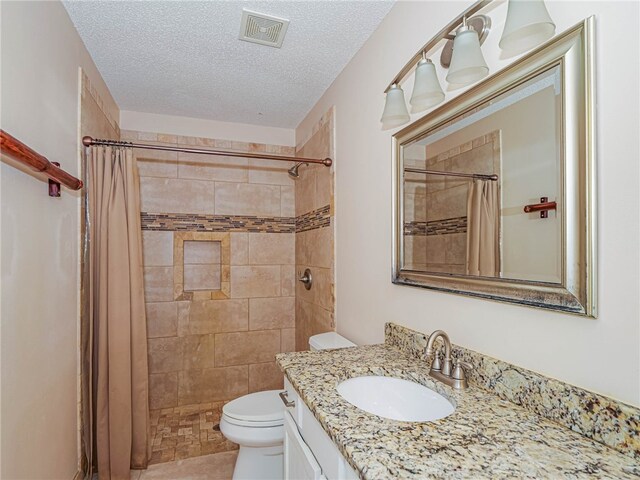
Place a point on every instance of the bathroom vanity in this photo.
(500, 427)
(309, 453)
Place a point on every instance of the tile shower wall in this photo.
(203, 351)
(446, 200)
(314, 236)
(415, 209)
(436, 206)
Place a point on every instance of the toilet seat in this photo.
(256, 410)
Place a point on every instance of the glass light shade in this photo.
(467, 62)
(426, 87)
(395, 110)
(528, 24)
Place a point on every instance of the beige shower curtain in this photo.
(483, 221)
(116, 292)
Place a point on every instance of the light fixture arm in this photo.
(480, 23)
(445, 33)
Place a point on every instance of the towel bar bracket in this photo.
(543, 207)
(54, 186)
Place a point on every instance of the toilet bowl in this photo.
(256, 423)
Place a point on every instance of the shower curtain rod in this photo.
(89, 141)
(480, 176)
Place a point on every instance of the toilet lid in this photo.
(256, 407)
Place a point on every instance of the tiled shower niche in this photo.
(201, 265)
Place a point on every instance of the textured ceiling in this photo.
(184, 58)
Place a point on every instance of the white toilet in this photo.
(255, 422)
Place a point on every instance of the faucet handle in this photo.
(466, 365)
(436, 365)
(459, 369)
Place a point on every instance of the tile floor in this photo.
(186, 432)
(218, 466)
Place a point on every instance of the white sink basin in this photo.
(395, 399)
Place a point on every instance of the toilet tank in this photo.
(324, 341)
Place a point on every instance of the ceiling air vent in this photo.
(262, 29)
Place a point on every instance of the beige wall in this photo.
(602, 354)
(314, 246)
(41, 53)
(199, 127)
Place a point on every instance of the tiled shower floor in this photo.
(185, 432)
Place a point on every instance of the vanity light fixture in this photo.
(467, 62)
(426, 87)
(395, 110)
(528, 24)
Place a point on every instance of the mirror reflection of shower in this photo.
(473, 189)
(293, 171)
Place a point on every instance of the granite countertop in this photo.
(486, 437)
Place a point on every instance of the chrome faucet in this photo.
(441, 369)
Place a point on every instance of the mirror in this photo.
(493, 190)
(466, 184)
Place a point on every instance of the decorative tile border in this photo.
(436, 227)
(191, 222)
(318, 218)
(603, 419)
(194, 222)
(178, 266)
(415, 228)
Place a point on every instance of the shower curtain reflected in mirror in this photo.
(117, 315)
(483, 221)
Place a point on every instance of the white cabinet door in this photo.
(299, 462)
